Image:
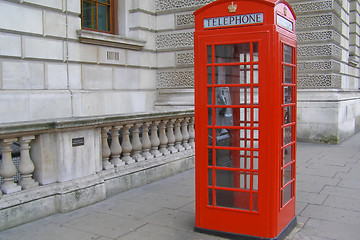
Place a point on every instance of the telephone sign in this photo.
(245, 111)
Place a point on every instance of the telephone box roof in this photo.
(266, 2)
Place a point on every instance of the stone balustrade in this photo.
(102, 155)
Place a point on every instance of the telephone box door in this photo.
(230, 98)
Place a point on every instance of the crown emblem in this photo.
(232, 8)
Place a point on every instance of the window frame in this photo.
(113, 4)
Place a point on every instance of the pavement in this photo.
(328, 205)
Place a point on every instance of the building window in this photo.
(98, 15)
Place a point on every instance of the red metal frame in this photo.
(250, 201)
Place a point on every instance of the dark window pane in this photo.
(89, 15)
(238, 200)
(224, 158)
(210, 122)
(232, 53)
(210, 157)
(255, 52)
(210, 137)
(104, 18)
(209, 96)
(210, 177)
(209, 74)
(210, 194)
(209, 54)
(255, 202)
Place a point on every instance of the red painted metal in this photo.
(245, 117)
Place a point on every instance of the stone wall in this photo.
(328, 69)
(174, 45)
(49, 68)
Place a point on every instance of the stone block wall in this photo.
(174, 45)
(49, 68)
(328, 69)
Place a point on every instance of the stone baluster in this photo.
(8, 168)
(191, 132)
(136, 144)
(126, 145)
(105, 149)
(185, 133)
(26, 166)
(115, 147)
(163, 138)
(145, 141)
(171, 136)
(178, 135)
(155, 141)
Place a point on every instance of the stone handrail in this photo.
(112, 141)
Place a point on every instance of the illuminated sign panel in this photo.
(283, 22)
(234, 20)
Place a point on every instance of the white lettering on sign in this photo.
(234, 20)
(283, 22)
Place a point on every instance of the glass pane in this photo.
(288, 54)
(210, 157)
(210, 137)
(105, 1)
(255, 182)
(104, 18)
(232, 53)
(210, 117)
(210, 177)
(89, 15)
(288, 95)
(224, 198)
(288, 75)
(256, 160)
(233, 74)
(225, 179)
(287, 194)
(234, 95)
(209, 96)
(209, 54)
(256, 96)
(239, 117)
(287, 135)
(232, 138)
(255, 202)
(209, 74)
(224, 158)
(210, 197)
(256, 117)
(256, 74)
(287, 175)
(239, 200)
(287, 155)
(288, 115)
(255, 52)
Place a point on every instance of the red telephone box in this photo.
(245, 110)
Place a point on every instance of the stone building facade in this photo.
(52, 68)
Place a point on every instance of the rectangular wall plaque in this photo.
(234, 20)
(78, 142)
